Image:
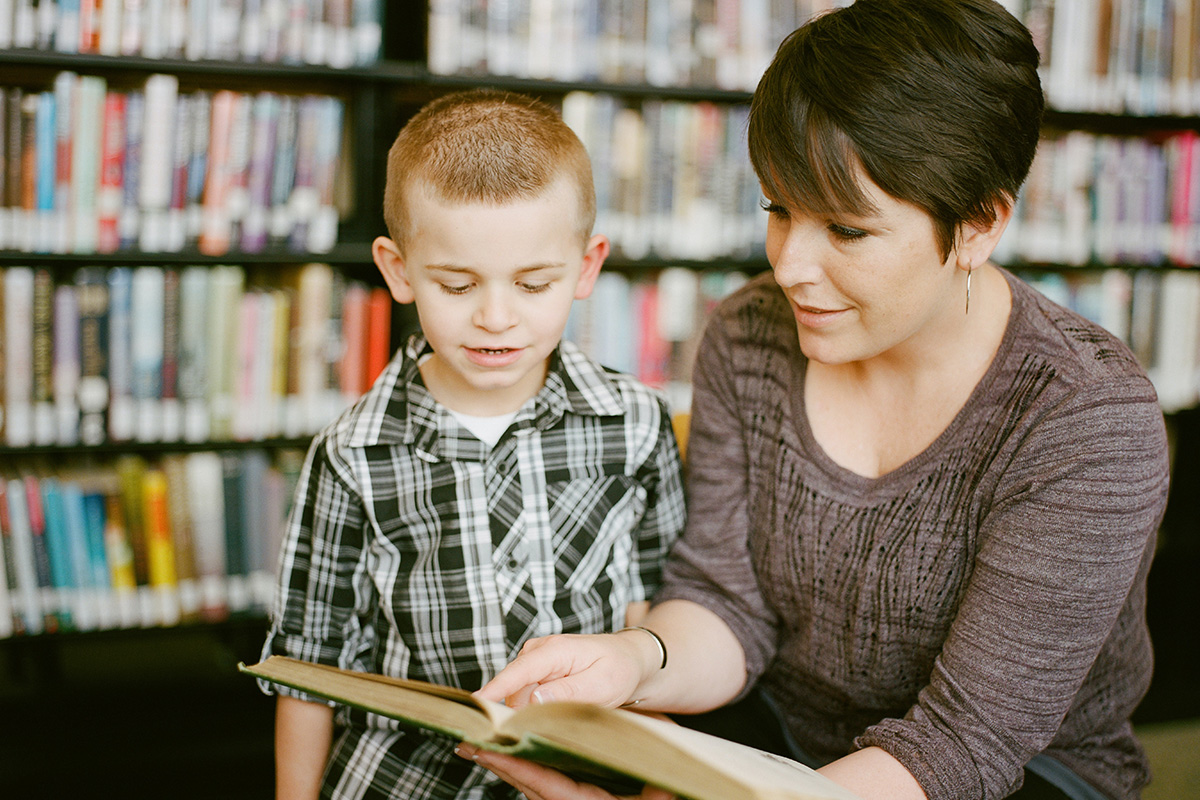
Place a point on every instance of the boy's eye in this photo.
(846, 233)
(774, 209)
(534, 288)
(448, 288)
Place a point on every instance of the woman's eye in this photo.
(846, 233)
(774, 209)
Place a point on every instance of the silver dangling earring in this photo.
(968, 309)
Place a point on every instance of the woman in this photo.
(923, 498)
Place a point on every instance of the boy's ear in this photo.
(391, 265)
(593, 259)
(976, 242)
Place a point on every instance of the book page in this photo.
(455, 712)
(681, 760)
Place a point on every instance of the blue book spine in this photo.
(120, 354)
(94, 519)
(46, 154)
(58, 549)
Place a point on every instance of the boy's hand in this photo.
(603, 669)
(542, 783)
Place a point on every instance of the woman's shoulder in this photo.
(755, 312)
(1078, 350)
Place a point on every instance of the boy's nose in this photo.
(494, 314)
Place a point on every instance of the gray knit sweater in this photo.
(980, 604)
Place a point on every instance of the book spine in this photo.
(99, 582)
(197, 167)
(131, 473)
(176, 216)
(85, 599)
(32, 618)
(67, 364)
(46, 153)
(160, 549)
(58, 549)
(10, 595)
(154, 186)
(121, 408)
(193, 339)
(112, 169)
(215, 235)
(236, 563)
(18, 356)
(13, 173)
(65, 99)
(264, 129)
(146, 331)
(174, 468)
(283, 170)
(206, 507)
(379, 334)
(118, 552)
(172, 410)
(135, 121)
(43, 357)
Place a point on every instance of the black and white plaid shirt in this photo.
(415, 550)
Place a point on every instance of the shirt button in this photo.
(513, 563)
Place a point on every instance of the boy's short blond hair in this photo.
(486, 146)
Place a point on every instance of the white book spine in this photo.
(154, 189)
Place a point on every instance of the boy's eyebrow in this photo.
(454, 268)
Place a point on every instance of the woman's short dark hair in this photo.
(938, 101)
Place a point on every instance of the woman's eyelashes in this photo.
(845, 233)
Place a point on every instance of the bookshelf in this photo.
(695, 74)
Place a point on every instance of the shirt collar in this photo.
(398, 409)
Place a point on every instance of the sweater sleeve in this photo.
(1066, 538)
(711, 564)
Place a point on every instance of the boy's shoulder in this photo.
(594, 388)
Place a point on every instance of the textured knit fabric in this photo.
(981, 603)
(414, 550)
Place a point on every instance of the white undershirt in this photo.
(487, 429)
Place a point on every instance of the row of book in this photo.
(86, 167)
(711, 43)
(1155, 311)
(339, 33)
(138, 543)
(1112, 200)
(650, 324)
(163, 354)
(673, 178)
(1120, 56)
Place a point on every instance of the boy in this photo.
(495, 484)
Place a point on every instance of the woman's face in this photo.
(867, 286)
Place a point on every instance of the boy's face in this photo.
(493, 285)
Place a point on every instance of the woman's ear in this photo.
(976, 241)
(386, 254)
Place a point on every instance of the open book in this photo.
(615, 748)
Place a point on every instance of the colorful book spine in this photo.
(91, 289)
(160, 549)
(30, 608)
(112, 172)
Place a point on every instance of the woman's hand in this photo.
(603, 669)
(542, 783)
